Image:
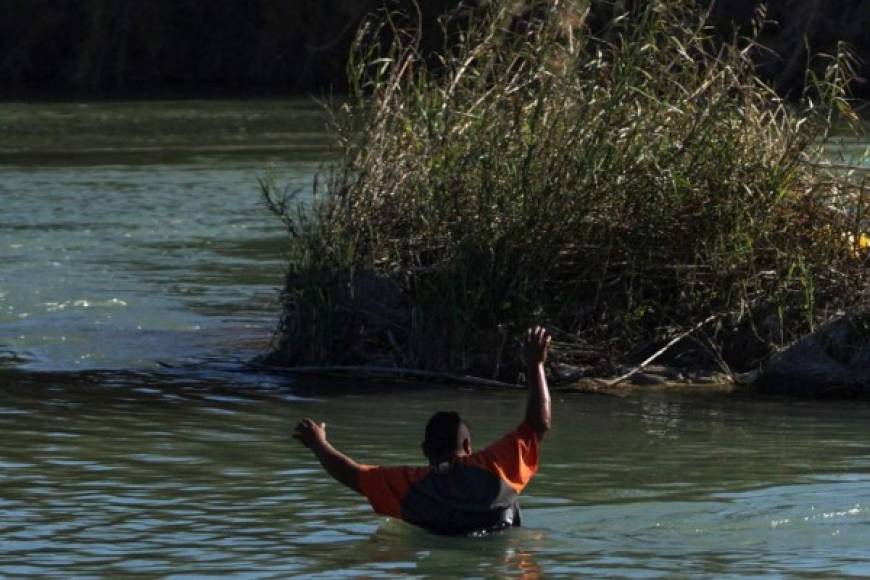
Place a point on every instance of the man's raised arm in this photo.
(341, 467)
(538, 406)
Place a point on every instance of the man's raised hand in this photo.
(309, 433)
(538, 406)
(535, 346)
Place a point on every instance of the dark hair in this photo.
(444, 434)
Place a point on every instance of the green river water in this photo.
(139, 271)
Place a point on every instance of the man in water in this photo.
(460, 491)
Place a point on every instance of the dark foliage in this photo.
(111, 46)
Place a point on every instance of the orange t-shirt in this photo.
(473, 493)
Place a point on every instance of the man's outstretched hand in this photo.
(535, 346)
(337, 464)
(310, 434)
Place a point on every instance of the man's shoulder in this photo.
(514, 457)
(523, 434)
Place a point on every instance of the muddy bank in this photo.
(832, 362)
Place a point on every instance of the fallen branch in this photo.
(660, 352)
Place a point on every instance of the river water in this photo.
(139, 271)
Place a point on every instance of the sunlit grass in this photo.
(619, 187)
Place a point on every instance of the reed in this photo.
(619, 187)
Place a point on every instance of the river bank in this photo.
(187, 142)
(634, 193)
(90, 155)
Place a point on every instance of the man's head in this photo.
(447, 437)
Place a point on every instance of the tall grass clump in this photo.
(621, 183)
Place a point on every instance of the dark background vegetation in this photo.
(153, 47)
(132, 46)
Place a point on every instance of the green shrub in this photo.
(619, 186)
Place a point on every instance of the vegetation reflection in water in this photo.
(195, 472)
